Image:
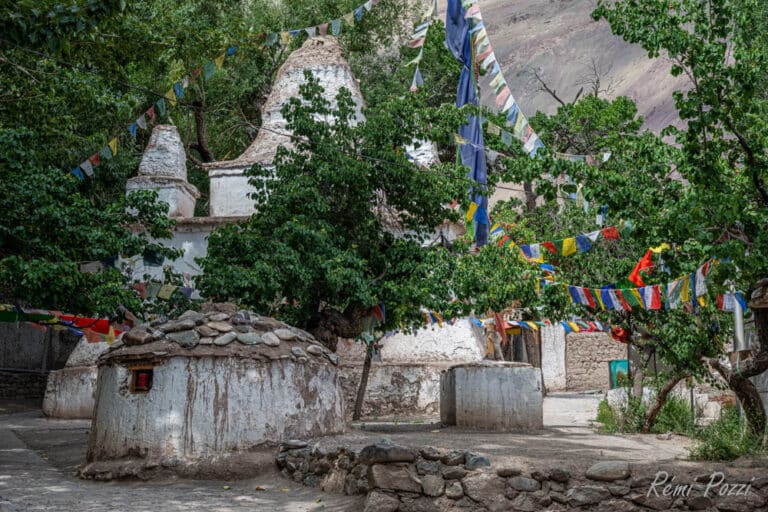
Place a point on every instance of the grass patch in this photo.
(724, 439)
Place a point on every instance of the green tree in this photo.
(720, 45)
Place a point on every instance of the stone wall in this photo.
(22, 385)
(397, 478)
(586, 360)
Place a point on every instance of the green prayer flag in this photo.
(558, 246)
(209, 69)
(160, 107)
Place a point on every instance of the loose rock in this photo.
(585, 495)
(177, 325)
(427, 467)
(394, 477)
(220, 326)
(507, 471)
(270, 339)
(521, 483)
(453, 458)
(298, 352)
(137, 337)
(314, 350)
(186, 339)
(249, 338)
(285, 334)
(225, 339)
(608, 471)
(453, 472)
(559, 475)
(474, 461)
(385, 453)
(432, 485)
(218, 317)
(378, 501)
(206, 331)
(454, 491)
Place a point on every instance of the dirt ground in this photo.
(38, 458)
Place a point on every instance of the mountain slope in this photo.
(559, 40)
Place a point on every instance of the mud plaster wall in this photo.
(406, 378)
(203, 407)
(553, 358)
(586, 360)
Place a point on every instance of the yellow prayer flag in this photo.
(574, 326)
(171, 97)
(685, 289)
(220, 60)
(471, 211)
(532, 325)
(110, 336)
(569, 246)
(349, 18)
(636, 293)
(494, 129)
(113, 146)
(285, 37)
(458, 139)
(598, 296)
(663, 247)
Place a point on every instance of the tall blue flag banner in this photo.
(457, 39)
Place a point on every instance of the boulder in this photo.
(586, 495)
(609, 471)
(507, 471)
(432, 485)
(453, 458)
(454, 490)
(270, 339)
(385, 453)
(285, 334)
(177, 325)
(249, 338)
(187, 339)
(225, 339)
(220, 326)
(525, 484)
(486, 488)
(137, 336)
(206, 331)
(395, 477)
(378, 501)
(474, 461)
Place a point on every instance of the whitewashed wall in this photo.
(553, 357)
(206, 407)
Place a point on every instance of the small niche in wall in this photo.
(141, 378)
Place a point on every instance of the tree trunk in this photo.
(661, 398)
(738, 378)
(202, 133)
(363, 382)
(530, 196)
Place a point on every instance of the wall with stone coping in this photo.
(586, 360)
(397, 478)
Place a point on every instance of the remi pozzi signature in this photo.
(715, 485)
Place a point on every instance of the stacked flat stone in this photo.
(400, 479)
(226, 325)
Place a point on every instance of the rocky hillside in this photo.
(559, 40)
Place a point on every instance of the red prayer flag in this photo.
(590, 299)
(655, 297)
(95, 159)
(550, 246)
(645, 264)
(624, 305)
(611, 233)
(503, 240)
